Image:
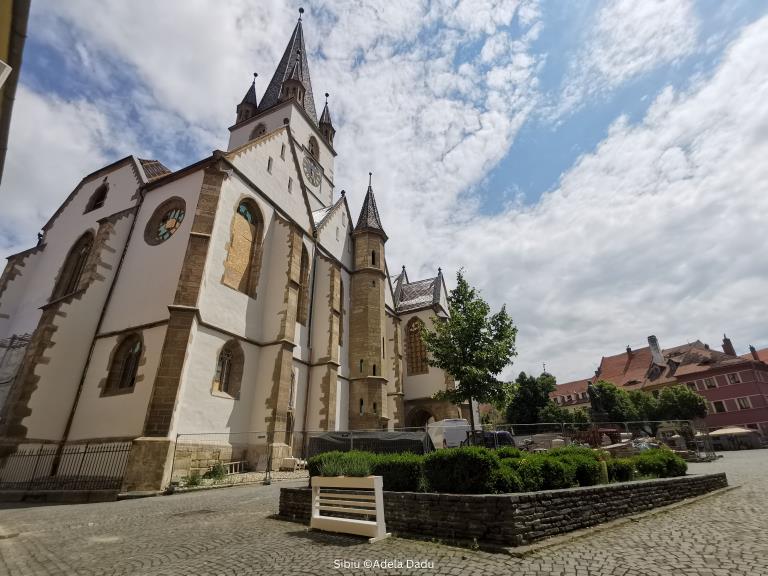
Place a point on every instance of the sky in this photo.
(599, 167)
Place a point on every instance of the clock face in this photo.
(312, 171)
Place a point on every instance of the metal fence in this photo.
(73, 466)
(233, 458)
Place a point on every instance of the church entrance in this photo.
(418, 418)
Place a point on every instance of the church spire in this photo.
(369, 220)
(291, 78)
(326, 125)
(249, 104)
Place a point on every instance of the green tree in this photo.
(473, 346)
(680, 403)
(616, 402)
(530, 398)
(646, 405)
(554, 413)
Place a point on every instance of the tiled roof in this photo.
(250, 96)
(761, 354)
(154, 169)
(286, 68)
(325, 117)
(369, 215)
(418, 295)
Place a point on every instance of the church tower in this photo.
(367, 331)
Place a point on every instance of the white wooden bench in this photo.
(362, 498)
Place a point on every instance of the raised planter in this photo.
(517, 519)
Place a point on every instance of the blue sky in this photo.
(590, 164)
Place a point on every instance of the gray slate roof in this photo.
(154, 169)
(325, 117)
(420, 294)
(284, 70)
(369, 215)
(250, 96)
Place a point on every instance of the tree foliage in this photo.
(472, 345)
(531, 397)
(616, 402)
(680, 403)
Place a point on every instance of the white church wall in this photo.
(28, 292)
(281, 183)
(420, 385)
(241, 135)
(150, 274)
(301, 380)
(302, 131)
(201, 409)
(342, 404)
(120, 415)
(75, 325)
(262, 378)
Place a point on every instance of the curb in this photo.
(523, 551)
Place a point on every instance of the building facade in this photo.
(735, 387)
(234, 295)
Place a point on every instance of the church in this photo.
(238, 294)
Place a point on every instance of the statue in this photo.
(598, 412)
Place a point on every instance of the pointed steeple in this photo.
(369, 220)
(249, 104)
(326, 125)
(294, 68)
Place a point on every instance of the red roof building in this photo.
(736, 387)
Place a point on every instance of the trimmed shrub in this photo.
(586, 468)
(400, 472)
(621, 469)
(506, 480)
(556, 473)
(660, 463)
(529, 471)
(468, 470)
(508, 452)
(574, 451)
(353, 463)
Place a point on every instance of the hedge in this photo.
(478, 470)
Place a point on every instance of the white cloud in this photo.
(628, 38)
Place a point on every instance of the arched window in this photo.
(259, 130)
(314, 149)
(229, 369)
(125, 365)
(243, 263)
(98, 198)
(416, 352)
(362, 406)
(72, 271)
(373, 257)
(302, 313)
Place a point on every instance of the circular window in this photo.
(166, 219)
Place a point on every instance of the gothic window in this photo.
(125, 365)
(165, 221)
(373, 257)
(243, 263)
(74, 264)
(362, 406)
(229, 369)
(416, 352)
(98, 198)
(314, 149)
(302, 312)
(259, 130)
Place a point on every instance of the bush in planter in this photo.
(353, 463)
(508, 452)
(620, 469)
(556, 473)
(400, 472)
(529, 471)
(574, 451)
(467, 470)
(506, 480)
(316, 463)
(661, 463)
(586, 468)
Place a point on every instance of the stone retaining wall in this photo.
(517, 519)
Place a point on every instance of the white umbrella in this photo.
(732, 431)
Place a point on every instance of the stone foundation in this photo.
(517, 519)
(149, 465)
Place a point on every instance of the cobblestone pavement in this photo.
(229, 531)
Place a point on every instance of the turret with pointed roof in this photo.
(292, 69)
(250, 103)
(326, 125)
(369, 219)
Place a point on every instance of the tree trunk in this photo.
(471, 419)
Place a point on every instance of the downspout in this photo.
(309, 340)
(103, 313)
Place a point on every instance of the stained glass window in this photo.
(416, 352)
(165, 221)
(245, 211)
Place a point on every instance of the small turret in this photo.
(248, 107)
(326, 125)
(293, 86)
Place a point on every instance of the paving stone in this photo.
(231, 531)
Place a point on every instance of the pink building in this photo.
(735, 387)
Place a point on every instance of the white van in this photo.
(448, 433)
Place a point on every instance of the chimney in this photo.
(656, 355)
(753, 351)
(728, 346)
